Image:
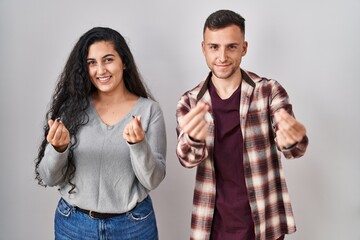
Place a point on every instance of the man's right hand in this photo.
(58, 135)
(194, 124)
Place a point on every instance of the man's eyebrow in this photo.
(229, 44)
(232, 44)
(212, 44)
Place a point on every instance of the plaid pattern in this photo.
(267, 191)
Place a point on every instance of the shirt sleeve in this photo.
(52, 166)
(280, 99)
(148, 157)
(190, 153)
(298, 150)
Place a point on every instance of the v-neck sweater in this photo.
(111, 174)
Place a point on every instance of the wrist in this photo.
(290, 146)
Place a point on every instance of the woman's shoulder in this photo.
(147, 102)
(148, 108)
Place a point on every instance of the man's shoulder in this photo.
(195, 90)
(254, 76)
(260, 80)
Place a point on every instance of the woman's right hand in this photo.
(58, 135)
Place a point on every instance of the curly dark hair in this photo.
(70, 99)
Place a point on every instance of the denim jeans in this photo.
(137, 224)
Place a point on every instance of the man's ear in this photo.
(203, 47)
(245, 46)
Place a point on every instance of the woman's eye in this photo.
(108, 60)
(91, 63)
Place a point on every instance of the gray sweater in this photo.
(111, 174)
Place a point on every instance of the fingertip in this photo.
(207, 107)
(200, 104)
(203, 106)
(284, 111)
(278, 113)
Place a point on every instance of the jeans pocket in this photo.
(142, 210)
(64, 208)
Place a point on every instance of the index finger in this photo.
(136, 122)
(53, 125)
(200, 108)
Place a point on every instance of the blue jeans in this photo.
(137, 224)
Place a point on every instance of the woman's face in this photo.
(105, 67)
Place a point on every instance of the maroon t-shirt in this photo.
(232, 217)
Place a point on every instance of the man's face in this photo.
(223, 50)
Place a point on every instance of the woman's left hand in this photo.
(133, 131)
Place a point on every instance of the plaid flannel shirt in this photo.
(267, 192)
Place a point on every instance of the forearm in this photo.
(287, 129)
(148, 157)
(190, 153)
(52, 165)
(148, 165)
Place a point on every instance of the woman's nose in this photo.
(101, 69)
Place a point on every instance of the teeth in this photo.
(103, 78)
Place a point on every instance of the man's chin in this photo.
(222, 75)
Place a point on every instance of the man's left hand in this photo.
(289, 130)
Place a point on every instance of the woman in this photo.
(104, 146)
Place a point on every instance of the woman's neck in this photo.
(109, 99)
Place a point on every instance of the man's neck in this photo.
(226, 87)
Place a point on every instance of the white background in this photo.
(310, 47)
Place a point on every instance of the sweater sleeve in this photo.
(148, 156)
(52, 166)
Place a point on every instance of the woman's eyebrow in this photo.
(108, 55)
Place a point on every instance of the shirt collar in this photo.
(204, 87)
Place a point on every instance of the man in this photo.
(233, 127)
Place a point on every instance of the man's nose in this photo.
(222, 55)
